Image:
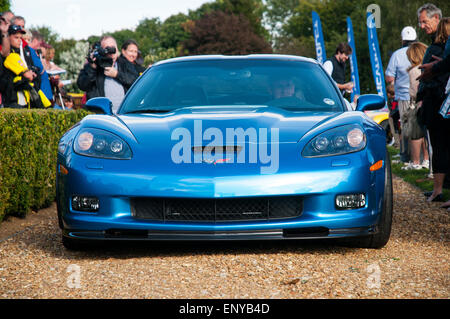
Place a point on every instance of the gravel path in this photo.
(414, 264)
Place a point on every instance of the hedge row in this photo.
(28, 150)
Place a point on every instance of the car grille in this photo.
(216, 210)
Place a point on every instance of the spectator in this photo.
(20, 79)
(68, 103)
(429, 16)
(335, 67)
(36, 39)
(5, 22)
(393, 114)
(35, 44)
(130, 51)
(108, 81)
(4, 50)
(415, 132)
(8, 15)
(397, 74)
(432, 94)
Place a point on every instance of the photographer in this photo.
(106, 75)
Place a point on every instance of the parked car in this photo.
(382, 118)
(258, 147)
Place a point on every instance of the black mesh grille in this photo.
(216, 210)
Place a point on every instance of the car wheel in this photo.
(381, 238)
(386, 127)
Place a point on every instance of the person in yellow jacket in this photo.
(22, 91)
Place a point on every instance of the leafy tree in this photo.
(4, 5)
(73, 61)
(173, 31)
(294, 34)
(253, 10)
(159, 56)
(148, 35)
(222, 33)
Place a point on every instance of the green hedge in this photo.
(28, 150)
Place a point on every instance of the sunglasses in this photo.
(16, 28)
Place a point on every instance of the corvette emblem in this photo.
(218, 161)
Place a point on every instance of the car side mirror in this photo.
(370, 102)
(100, 105)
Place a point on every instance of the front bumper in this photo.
(318, 188)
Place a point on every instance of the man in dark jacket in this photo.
(100, 80)
(336, 66)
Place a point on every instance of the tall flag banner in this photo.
(353, 61)
(375, 56)
(318, 38)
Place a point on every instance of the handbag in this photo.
(412, 128)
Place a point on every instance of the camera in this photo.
(99, 56)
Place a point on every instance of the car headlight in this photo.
(99, 143)
(337, 141)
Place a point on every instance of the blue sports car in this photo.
(227, 148)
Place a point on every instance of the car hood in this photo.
(205, 124)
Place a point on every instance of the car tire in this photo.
(386, 127)
(381, 238)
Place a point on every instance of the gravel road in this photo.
(414, 264)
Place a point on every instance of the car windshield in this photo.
(291, 85)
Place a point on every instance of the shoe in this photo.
(425, 164)
(446, 205)
(411, 166)
(392, 142)
(438, 198)
(428, 194)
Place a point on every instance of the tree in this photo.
(253, 10)
(148, 35)
(73, 61)
(222, 33)
(173, 31)
(4, 5)
(294, 34)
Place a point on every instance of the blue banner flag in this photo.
(353, 61)
(375, 56)
(318, 38)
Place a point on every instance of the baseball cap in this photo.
(409, 34)
(13, 29)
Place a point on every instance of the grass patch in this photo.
(417, 178)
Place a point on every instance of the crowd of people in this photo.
(419, 95)
(30, 79)
(417, 76)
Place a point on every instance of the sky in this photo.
(79, 19)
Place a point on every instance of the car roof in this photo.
(275, 57)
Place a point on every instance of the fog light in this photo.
(350, 201)
(85, 204)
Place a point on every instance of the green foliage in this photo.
(4, 5)
(73, 61)
(417, 178)
(223, 33)
(291, 26)
(159, 56)
(28, 149)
